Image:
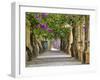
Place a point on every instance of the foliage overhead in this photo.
(46, 25)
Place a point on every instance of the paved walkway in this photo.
(53, 58)
(50, 54)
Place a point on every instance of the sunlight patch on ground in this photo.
(53, 54)
(54, 49)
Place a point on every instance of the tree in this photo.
(86, 49)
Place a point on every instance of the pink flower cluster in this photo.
(44, 27)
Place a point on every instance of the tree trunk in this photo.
(73, 45)
(69, 41)
(34, 44)
(78, 41)
(81, 43)
(28, 44)
(86, 50)
(61, 44)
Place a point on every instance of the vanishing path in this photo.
(53, 58)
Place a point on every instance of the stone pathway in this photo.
(53, 53)
(53, 58)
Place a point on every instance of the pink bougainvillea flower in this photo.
(50, 30)
(44, 15)
(38, 26)
(37, 16)
(39, 19)
(44, 26)
(84, 29)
